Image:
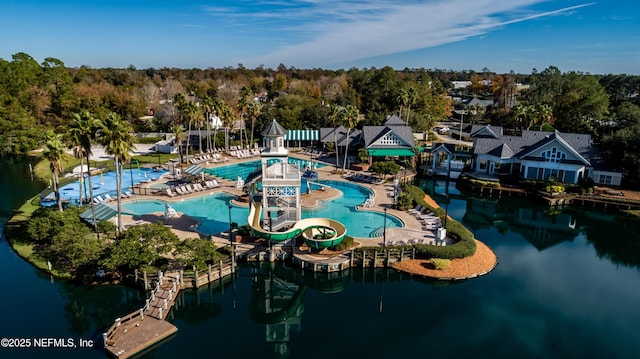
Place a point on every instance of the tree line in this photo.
(36, 97)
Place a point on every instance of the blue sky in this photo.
(501, 35)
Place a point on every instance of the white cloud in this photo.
(330, 32)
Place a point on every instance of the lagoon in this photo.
(558, 292)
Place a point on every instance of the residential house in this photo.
(540, 155)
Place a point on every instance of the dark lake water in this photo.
(567, 286)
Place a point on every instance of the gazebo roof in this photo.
(274, 130)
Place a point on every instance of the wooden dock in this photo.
(146, 326)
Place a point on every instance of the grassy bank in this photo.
(16, 233)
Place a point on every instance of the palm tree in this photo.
(218, 109)
(53, 152)
(350, 118)
(546, 114)
(254, 109)
(411, 98)
(197, 117)
(81, 131)
(403, 98)
(117, 138)
(334, 118)
(243, 104)
(225, 113)
(178, 135)
(207, 108)
(191, 115)
(180, 103)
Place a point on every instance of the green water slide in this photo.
(317, 232)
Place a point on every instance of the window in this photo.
(553, 155)
(390, 139)
(483, 165)
(604, 179)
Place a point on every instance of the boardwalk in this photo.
(146, 326)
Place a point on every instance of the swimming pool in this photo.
(105, 183)
(212, 211)
(232, 172)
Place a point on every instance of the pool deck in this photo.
(183, 226)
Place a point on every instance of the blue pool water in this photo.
(212, 211)
(106, 184)
(243, 169)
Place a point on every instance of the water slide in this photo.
(317, 232)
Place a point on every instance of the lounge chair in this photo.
(430, 227)
(169, 192)
(108, 198)
(210, 184)
(179, 191)
(129, 194)
(417, 209)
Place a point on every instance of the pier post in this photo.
(364, 256)
(413, 253)
(104, 338)
(388, 254)
(351, 260)
(160, 312)
(209, 273)
(141, 314)
(195, 280)
(221, 267)
(181, 278)
(375, 258)
(146, 282)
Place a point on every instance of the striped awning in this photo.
(103, 213)
(302, 135)
(194, 170)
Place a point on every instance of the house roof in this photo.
(486, 131)
(502, 151)
(394, 120)
(577, 147)
(339, 134)
(481, 103)
(371, 134)
(448, 147)
(526, 144)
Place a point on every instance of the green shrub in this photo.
(476, 182)
(404, 200)
(346, 243)
(148, 140)
(440, 263)
(555, 189)
(465, 245)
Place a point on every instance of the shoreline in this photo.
(482, 262)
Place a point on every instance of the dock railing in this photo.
(157, 305)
